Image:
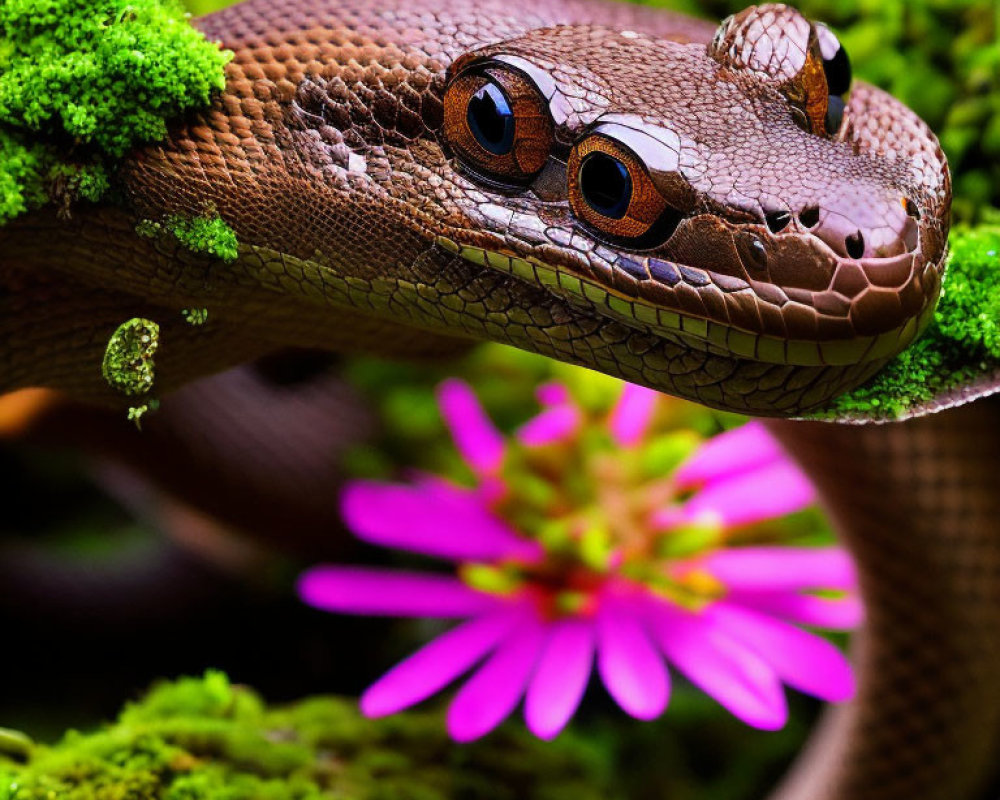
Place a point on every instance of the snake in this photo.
(719, 212)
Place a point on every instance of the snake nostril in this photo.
(809, 216)
(911, 208)
(855, 245)
(777, 221)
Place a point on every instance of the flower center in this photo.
(592, 506)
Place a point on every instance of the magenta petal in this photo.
(632, 414)
(433, 518)
(553, 394)
(495, 689)
(741, 449)
(356, 590)
(772, 491)
(632, 670)
(803, 660)
(437, 664)
(833, 613)
(723, 668)
(775, 568)
(475, 435)
(560, 678)
(548, 426)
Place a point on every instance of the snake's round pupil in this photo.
(838, 72)
(605, 184)
(491, 119)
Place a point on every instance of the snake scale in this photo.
(713, 211)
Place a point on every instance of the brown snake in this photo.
(710, 214)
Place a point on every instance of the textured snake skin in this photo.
(800, 260)
(918, 503)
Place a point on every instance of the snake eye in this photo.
(611, 191)
(836, 64)
(491, 119)
(605, 184)
(498, 123)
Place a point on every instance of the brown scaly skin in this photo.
(360, 228)
(332, 119)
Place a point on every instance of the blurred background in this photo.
(108, 580)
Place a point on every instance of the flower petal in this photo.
(803, 660)
(433, 518)
(776, 568)
(356, 590)
(495, 689)
(632, 414)
(833, 613)
(475, 435)
(550, 425)
(632, 670)
(723, 668)
(560, 678)
(553, 393)
(774, 490)
(437, 664)
(748, 447)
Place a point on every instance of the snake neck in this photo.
(917, 504)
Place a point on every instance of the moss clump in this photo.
(205, 739)
(21, 169)
(128, 364)
(969, 312)
(208, 234)
(962, 342)
(195, 316)
(82, 82)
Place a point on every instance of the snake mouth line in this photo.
(698, 332)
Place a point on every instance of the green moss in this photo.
(22, 167)
(969, 312)
(82, 82)
(128, 364)
(205, 739)
(195, 316)
(208, 234)
(962, 342)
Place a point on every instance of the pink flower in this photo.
(573, 548)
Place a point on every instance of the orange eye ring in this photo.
(610, 189)
(498, 123)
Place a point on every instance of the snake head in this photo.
(742, 199)
(728, 218)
